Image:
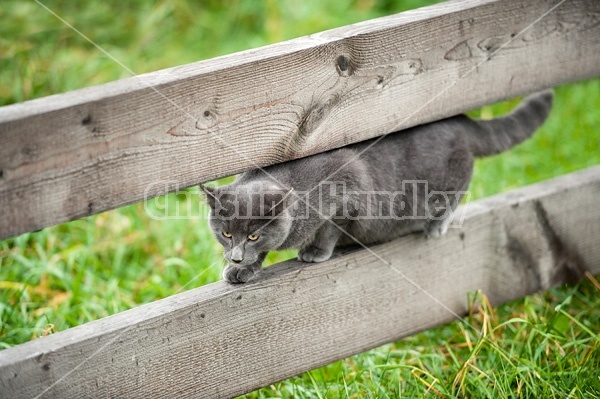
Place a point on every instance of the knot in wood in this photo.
(207, 120)
(344, 66)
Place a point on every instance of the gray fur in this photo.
(440, 153)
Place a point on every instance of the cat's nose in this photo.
(237, 255)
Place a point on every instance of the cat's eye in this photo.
(253, 237)
(227, 234)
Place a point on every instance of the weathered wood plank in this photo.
(221, 340)
(90, 150)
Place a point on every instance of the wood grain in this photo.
(220, 340)
(86, 151)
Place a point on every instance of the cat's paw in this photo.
(437, 228)
(314, 254)
(238, 274)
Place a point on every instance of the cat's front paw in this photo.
(437, 228)
(314, 254)
(235, 274)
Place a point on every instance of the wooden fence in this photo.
(90, 150)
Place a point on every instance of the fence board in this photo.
(83, 152)
(220, 340)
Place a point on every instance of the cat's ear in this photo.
(211, 195)
(279, 200)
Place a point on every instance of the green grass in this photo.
(543, 346)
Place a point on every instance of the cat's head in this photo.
(249, 219)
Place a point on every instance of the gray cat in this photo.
(367, 193)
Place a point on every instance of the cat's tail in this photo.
(499, 134)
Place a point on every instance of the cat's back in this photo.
(427, 136)
(414, 153)
(305, 173)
